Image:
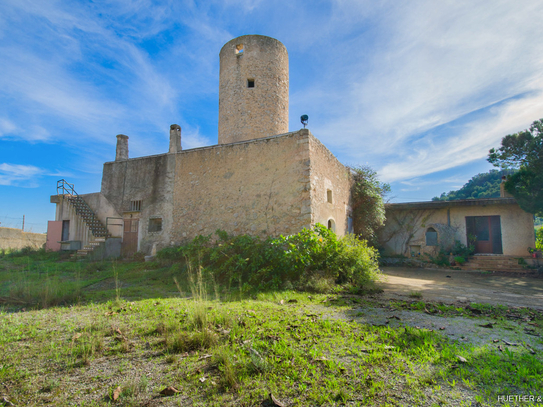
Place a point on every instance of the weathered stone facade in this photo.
(259, 179)
(267, 186)
(330, 189)
(142, 189)
(254, 187)
(253, 90)
(407, 223)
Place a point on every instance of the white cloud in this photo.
(193, 139)
(473, 144)
(69, 77)
(432, 64)
(419, 182)
(15, 174)
(6, 127)
(395, 84)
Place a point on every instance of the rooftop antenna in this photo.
(304, 119)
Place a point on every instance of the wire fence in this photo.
(17, 223)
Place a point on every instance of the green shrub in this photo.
(302, 259)
(441, 259)
(539, 239)
(464, 251)
(460, 252)
(169, 253)
(459, 260)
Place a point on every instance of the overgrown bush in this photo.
(303, 260)
(539, 239)
(459, 260)
(441, 258)
(462, 250)
(459, 251)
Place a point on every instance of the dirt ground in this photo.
(451, 286)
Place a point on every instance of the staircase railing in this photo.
(65, 188)
(82, 209)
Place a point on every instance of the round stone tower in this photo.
(253, 90)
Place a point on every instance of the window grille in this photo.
(135, 206)
(155, 225)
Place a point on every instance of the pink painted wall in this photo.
(54, 234)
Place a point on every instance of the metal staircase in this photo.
(83, 210)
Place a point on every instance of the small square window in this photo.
(239, 49)
(250, 83)
(155, 225)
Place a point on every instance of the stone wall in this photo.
(330, 188)
(265, 186)
(405, 228)
(16, 239)
(248, 112)
(149, 180)
(258, 187)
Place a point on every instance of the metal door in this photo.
(65, 230)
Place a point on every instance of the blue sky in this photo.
(418, 90)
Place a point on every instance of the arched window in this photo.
(331, 225)
(431, 237)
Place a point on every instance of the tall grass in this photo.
(117, 283)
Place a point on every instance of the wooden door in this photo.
(487, 233)
(130, 237)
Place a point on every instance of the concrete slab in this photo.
(451, 286)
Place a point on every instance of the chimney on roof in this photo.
(175, 138)
(503, 192)
(122, 147)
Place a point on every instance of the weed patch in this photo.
(237, 349)
(312, 260)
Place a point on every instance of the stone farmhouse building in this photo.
(259, 179)
(497, 228)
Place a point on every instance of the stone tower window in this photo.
(250, 83)
(332, 225)
(329, 195)
(239, 49)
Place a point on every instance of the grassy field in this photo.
(120, 333)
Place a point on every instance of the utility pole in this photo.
(23, 223)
